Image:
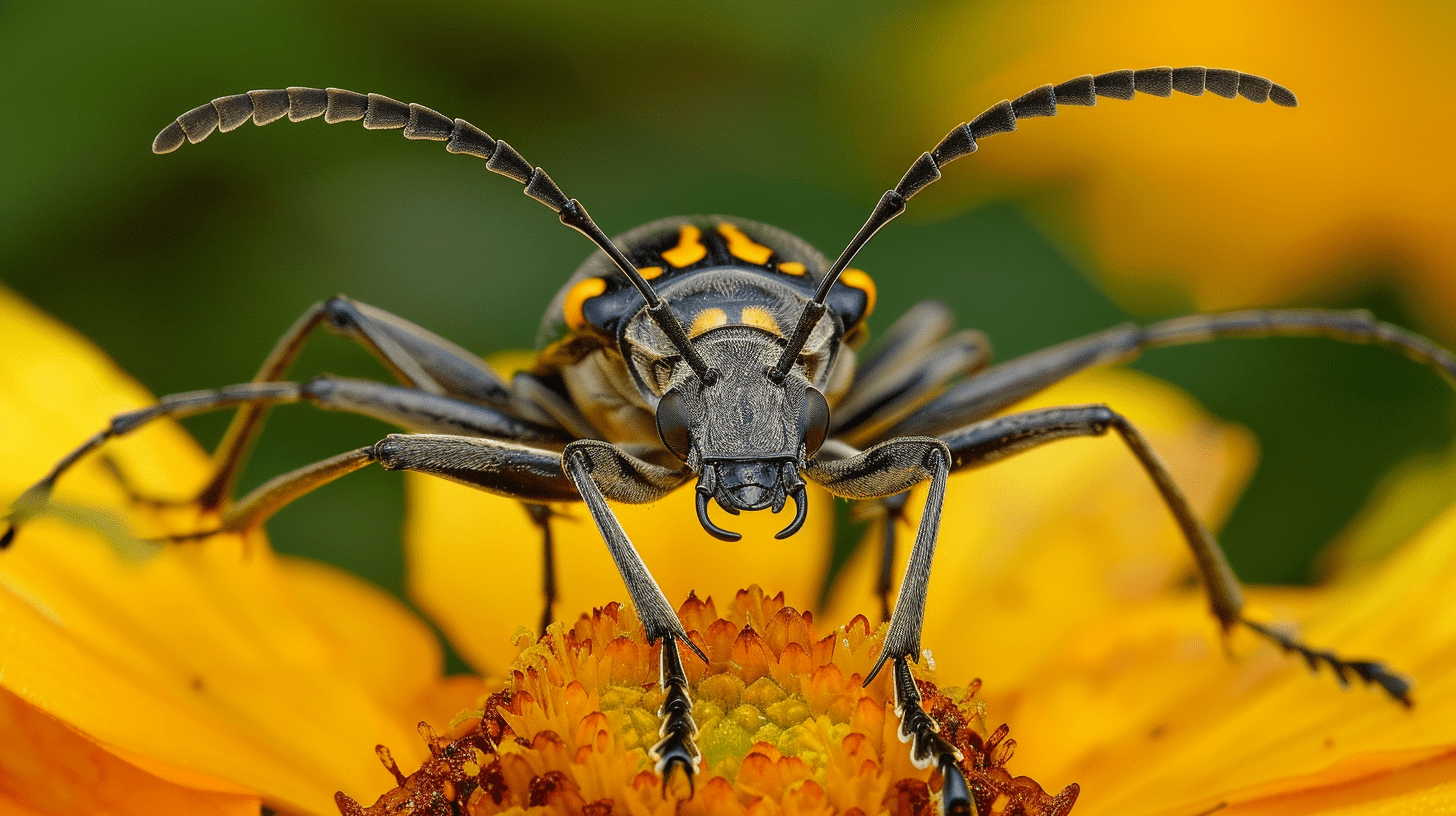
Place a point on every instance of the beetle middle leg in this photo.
(401, 406)
(891, 467)
(911, 365)
(540, 515)
(1000, 387)
(415, 356)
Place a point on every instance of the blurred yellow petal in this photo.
(47, 768)
(1237, 203)
(1033, 545)
(1154, 694)
(475, 560)
(216, 666)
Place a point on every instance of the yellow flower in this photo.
(785, 726)
(210, 678)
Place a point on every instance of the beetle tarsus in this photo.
(1370, 671)
(676, 748)
(955, 794)
(928, 749)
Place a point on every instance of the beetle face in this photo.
(745, 434)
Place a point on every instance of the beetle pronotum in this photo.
(721, 350)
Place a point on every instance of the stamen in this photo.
(778, 711)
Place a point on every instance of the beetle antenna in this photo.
(1002, 118)
(419, 122)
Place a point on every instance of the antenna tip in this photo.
(1282, 96)
(171, 138)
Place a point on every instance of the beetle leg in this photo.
(391, 403)
(676, 748)
(927, 747)
(889, 514)
(590, 465)
(986, 442)
(1007, 384)
(541, 516)
(913, 365)
(884, 470)
(894, 514)
(890, 469)
(415, 356)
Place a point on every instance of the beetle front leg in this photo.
(889, 469)
(417, 358)
(591, 466)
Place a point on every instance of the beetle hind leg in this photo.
(1369, 671)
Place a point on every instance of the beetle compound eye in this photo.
(814, 420)
(672, 424)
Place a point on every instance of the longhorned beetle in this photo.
(720, 351)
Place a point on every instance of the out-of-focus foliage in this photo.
(187, 267)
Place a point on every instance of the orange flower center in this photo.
(785, 725)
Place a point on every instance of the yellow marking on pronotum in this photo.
(859, 279)
(689, 249)
(742, 247)
(759, 318)
(792, 268)
(577, 297)
(650, 272)
(707, 320)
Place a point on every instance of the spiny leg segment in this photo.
(928, 749)
(676, 748)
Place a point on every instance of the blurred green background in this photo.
(187, 267)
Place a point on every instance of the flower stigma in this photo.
(785, 725)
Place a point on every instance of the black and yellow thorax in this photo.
(716, 273)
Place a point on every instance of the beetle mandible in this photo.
(720, 350)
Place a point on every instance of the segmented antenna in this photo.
(419, 122)
(1002, 118)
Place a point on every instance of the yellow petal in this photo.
(214, 665)
(1031, 546)
(475, 560)
(1422, 788)
(47, 768)
(1146, 690)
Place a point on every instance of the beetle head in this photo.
(746, 435)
